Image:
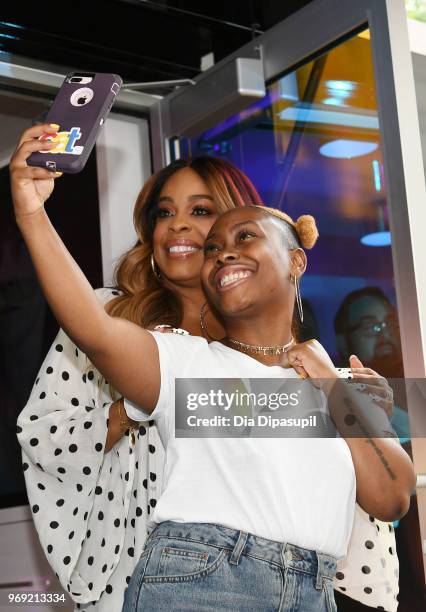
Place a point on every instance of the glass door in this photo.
(312, 146)
(336, 136)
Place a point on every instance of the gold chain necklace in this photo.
(259, 350)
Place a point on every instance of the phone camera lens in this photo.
(81, 96)
(75, 80)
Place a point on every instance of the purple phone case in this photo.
(79, 123)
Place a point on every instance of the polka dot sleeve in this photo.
(369, 572)
(87, 506)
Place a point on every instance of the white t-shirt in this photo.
(295, 490)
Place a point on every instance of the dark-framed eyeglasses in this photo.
(374, 328)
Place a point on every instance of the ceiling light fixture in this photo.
(376, 174)
(381, 237)
(327, 116)
(347, 148)
(377, 239)
(334, 102)
(341, 86)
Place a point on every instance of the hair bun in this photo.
(307, 231)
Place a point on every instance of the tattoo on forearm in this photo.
(379, 453)
(368, 439)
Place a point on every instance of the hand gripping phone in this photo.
(80, 109)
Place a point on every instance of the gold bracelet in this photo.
(124, 425)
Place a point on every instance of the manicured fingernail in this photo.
(55, 126)
(58, 173)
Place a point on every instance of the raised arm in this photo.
(125, 354)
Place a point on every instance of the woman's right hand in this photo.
(310, 360)
(31, 186)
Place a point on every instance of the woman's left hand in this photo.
(370, 382)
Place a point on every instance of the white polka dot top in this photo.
(89, 508)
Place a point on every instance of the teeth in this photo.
(234, 276)
(182, 249)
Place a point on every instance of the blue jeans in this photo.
(196, 567)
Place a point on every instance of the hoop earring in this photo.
(154, 269)
(298, 298)
(203, 326)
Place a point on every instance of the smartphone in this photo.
(80, 109)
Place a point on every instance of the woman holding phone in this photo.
(79, 424)
(45, 247)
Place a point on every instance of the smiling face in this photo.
(247, 266)
(186, 212)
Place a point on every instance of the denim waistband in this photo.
(240, 543)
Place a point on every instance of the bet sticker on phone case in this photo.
(65, 142)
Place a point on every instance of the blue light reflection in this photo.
(377, 239)
(347, 148)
